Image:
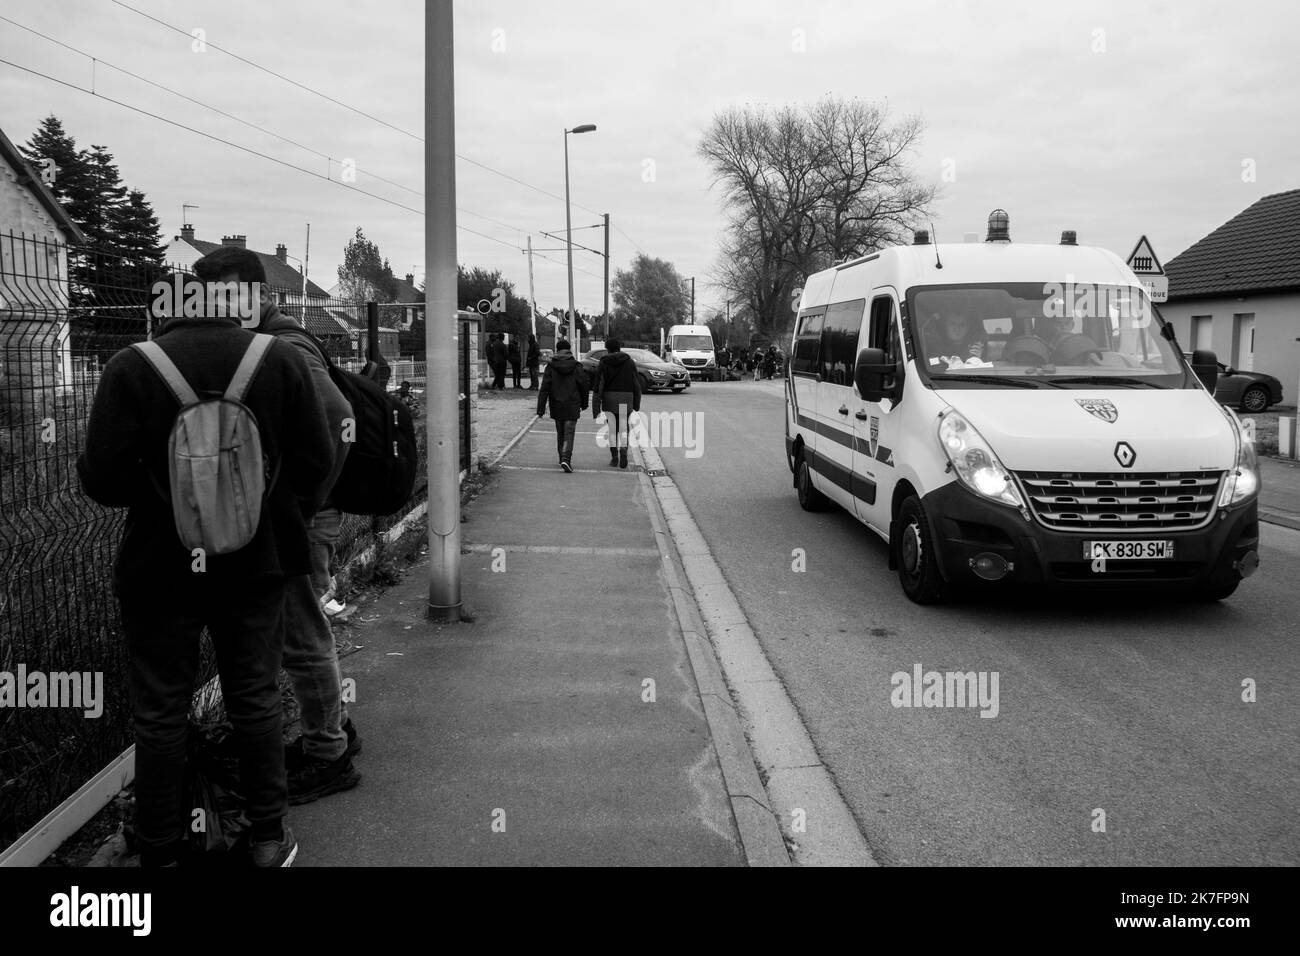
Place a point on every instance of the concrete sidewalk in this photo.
(524, 737)
(1279, 497)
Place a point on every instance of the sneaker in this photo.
(314, 779)
(622, 458)
(280, 852)
(566, 466)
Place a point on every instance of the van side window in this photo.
(839, 346)
(884, 331)
(807, 343)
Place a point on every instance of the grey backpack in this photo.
(218, 474)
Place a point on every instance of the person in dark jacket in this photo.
(497, 358)
(512, 353)
(319, 761)
(618, 394)
(534, 359)
(564, 387)
(168, 594)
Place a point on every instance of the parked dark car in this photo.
(656, 374)
(1249, 391)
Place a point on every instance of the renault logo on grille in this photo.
(1099, 408)
(1125, 455)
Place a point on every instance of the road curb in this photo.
(1284, 521)
(760, 833)
(514, 441)
(798, 786)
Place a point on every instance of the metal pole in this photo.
(692, 300)
(568, 245)
(607, 276)
(442, 397)
(306, 262)
(532, 301)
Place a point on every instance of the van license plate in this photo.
(1122, 550)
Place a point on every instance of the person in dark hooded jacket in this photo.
(564, 386)
(618, 394)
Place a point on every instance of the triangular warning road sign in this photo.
(1142, 260)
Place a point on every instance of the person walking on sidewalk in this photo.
(534, 359)
(618, 394)
(319, 762)
(512, 353)
(564, 387)
(168, 589)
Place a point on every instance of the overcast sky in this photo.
(1113, 119)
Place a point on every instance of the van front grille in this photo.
(1166, 501)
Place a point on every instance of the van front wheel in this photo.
(918, 558)
(810, 499)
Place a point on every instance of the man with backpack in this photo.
(564, 386)
(216, 440)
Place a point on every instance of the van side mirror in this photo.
(1206, 366)
(869, 374)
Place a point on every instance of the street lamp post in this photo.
(568, 228)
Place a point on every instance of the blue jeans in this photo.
(323, 532)
(310, 658)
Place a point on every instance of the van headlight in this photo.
(974, 462)
(1243, 480)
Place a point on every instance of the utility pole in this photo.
(692, 300)
(306, 262)
(532, 303)
(607, 276)
(443, 405)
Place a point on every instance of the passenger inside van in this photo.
(955, 336)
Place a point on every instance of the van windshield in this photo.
(692, 343)
(1058, 334)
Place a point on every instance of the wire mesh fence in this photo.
(64, 311)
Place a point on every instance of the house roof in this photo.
(407, 292)
(1257, 250)
(29, 178)
(279, 275)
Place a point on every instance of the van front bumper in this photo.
(967, 526)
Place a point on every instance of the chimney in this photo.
(282, 252)
(240, 242)
(410, 278)
(187, 232)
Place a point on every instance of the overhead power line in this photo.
(360, 112)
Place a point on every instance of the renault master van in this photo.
(1005, 413)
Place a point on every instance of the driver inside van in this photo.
(1067, 347)
(955, 339)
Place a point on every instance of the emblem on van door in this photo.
(1102, 408)
(1125, 455)
(875, 434)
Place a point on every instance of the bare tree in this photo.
(805, 188)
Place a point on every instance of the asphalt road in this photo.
(1131, 707)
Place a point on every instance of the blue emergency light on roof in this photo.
(1068, 238)
(921, 237)
(999, 226)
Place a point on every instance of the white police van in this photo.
(909, 404)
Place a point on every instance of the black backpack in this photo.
(378, 477)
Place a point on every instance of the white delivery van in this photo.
(691, 346)
(1006, 413)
